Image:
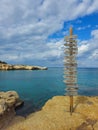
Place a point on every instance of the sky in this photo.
(32, 31)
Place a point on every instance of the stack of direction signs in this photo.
(70, 64)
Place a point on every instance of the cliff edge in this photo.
(55, 115)
(5, 66)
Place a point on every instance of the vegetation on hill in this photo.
(3, 62)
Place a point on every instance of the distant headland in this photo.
(6, 66)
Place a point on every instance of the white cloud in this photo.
(82, 49)
(52, 50)
(94, 55)
(84, 27)
(41, 16)
(94, 33)
(25, 26)
(50, 53)
(88, 51)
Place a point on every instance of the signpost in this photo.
(70, 67)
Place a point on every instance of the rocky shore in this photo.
(5, 66)
(8, 102)
(55, 115)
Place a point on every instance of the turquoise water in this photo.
(36, 87)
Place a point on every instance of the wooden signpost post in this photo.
(70, 67)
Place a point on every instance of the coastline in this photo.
(55, 115)
(6, 66)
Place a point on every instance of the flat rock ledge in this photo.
(8, 102)
(5, 66)
(55, 115)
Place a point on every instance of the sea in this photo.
(35, 87)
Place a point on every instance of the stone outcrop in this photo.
(5, 66)
(8, 102)
(55, 115)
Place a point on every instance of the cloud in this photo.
(47, 53)
(25, 27)
(41, 16)
(84, 27)
(82, 49)
(94, 55)
(88, 51)
(50, 53)
(94, 33)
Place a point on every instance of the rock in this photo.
(5, 66)
(10, 98)
(6, 118)
(95, 126)
(88, 106)
(3, 106)
(39, 68)
(19, 103)
(55, 115)
(8, 102)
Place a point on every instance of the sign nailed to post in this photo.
(70, 66)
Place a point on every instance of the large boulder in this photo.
(8, 102)
(10, 98)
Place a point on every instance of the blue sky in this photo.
(32, 32)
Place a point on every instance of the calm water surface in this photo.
(36, 87)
